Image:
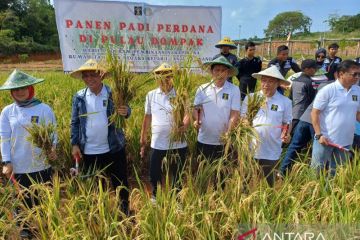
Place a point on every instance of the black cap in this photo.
(308, 63)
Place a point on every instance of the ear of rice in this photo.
(181, 102)
(42, 136)
(121, 85)
(255, 102)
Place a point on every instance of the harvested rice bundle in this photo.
(255, 102)
(43, 136)
(121, 84)
(243, 139)
(181, 102)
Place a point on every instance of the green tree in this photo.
(288, 22)
(345, 23)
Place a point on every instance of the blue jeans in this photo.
(303, 133)
(323, 155)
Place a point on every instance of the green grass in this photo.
(82, 209)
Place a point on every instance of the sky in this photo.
(254, 15)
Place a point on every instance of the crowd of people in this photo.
(323, 107)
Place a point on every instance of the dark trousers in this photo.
(356, 143)
(176, 158)
(246, 87)
(115, 166)
(210, 152)
(268, 167)
(27, 179)
(303, 134)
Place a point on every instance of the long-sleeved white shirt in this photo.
(14, 147)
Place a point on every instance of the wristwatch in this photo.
(317, 136)
(6, 163)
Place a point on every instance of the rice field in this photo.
(76, 208)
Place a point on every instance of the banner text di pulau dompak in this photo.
(143, 35)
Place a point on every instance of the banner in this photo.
(143, 35)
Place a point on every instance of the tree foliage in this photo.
(345, 24)
(27, 26)
(288, 22)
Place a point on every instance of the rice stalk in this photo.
(254, 103)
(42, 136)
(181, 102)
(121, 84)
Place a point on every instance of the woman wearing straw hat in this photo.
(218, 108)
(158, 115)
(225, 46)
(22, 162)
(270, 120)
(99, 143)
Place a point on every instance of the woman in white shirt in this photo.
(21, 160)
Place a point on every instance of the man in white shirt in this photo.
(158, 116)
(272, 122)
(99, 143)
(335, 111)
(218, 108)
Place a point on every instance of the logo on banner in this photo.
(274, 107)
(354, 97)
(34, 119)
(138, 11)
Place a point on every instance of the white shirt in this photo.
(268, 122)
(15, 148)
(157, 104)
(96, 122)
(217, 104)
(338, 112)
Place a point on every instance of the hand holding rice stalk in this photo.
(121, 85)
(43, 136)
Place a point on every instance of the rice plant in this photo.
(121, 84)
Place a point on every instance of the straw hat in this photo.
(164, 67)
(222, 61)
(19, 79)
(226, 41)
(272, 72)
(89, 65)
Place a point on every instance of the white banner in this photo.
(144, 35)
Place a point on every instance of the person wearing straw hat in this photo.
(335, 111)
(217, 108)
(225, 46)
(22, 162)
(158, 116)
(99, 143)
(272, 122)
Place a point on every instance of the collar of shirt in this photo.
(171, 93)
(218, 89)
(102, 92)
(276, 94)
(339, 86)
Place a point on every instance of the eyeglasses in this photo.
(355, 74)
(320, 56)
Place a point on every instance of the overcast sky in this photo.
(254, 15)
